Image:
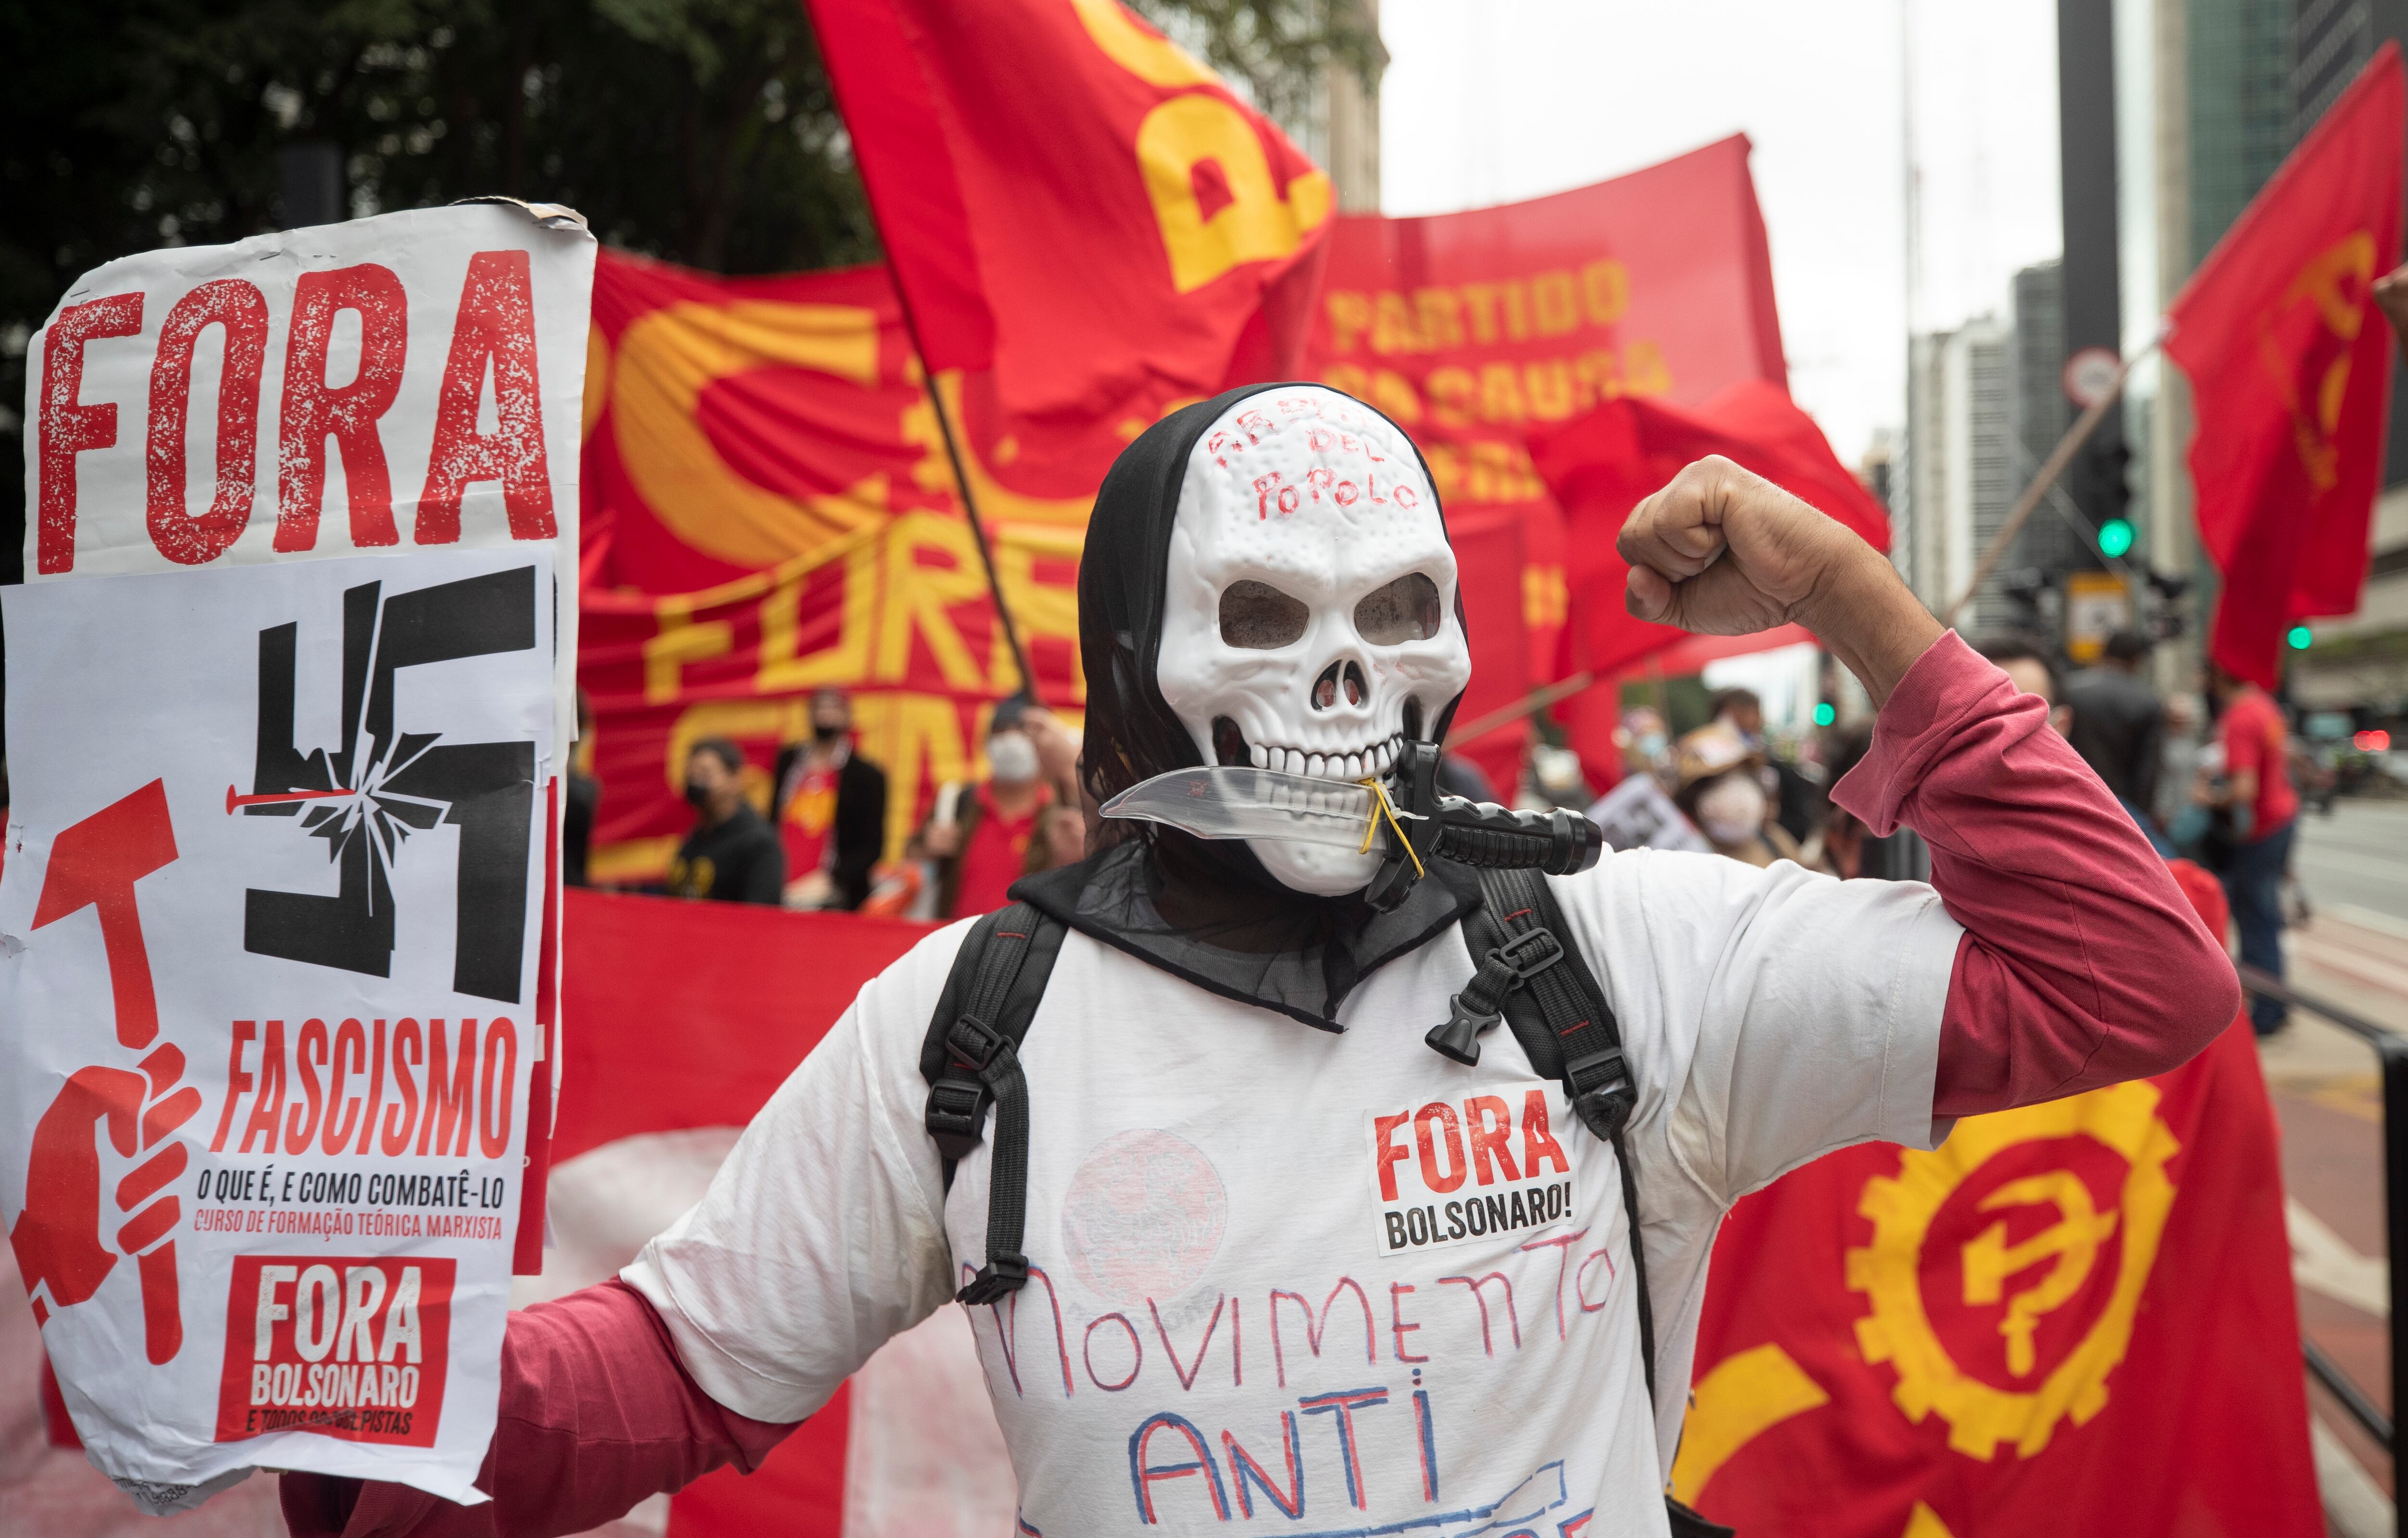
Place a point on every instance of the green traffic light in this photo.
(1825, 715)
(2299, 638)
(2114, 537)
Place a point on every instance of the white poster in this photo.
(269, 929)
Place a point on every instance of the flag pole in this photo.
(969, 499)
(2046, 476)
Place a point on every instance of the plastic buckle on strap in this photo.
(955, 1113)
(976, 1044)
(1602, 1093)
(1528, 953)
(1002, 1276)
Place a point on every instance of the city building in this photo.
(1959, 480)
(1337, 122)
(2209, 95)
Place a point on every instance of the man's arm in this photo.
(2082, 964)
(765, 872)
(596, 1413)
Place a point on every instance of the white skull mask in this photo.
(1308, 614)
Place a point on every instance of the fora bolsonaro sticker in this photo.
(1455, 1171)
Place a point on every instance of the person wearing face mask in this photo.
(1720, 788)
(831, 811)
(977, 836)
(731, 855)
(1218, 1106)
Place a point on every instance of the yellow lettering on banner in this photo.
(917, 596)
(1154, 59)
(1392, 326)
(1548, 389)
(597, 378)
(1480, 299)
(933, 474)
(1048, 609)
(1742, 1397)
(679, 641)
(1503, 472)
(1643, 371)
(917, 739)
(1350, 316)
(1442, 319)
(1923, 1522)
(1606, 288)
(1556, 305)
(1257, 225)
(784, 663)
(1393, 393)
(667, 358)
(1451, 391)
(1500, 393)
(775, 721)
(1546, 597)
(1446, 470)
(1350, 378)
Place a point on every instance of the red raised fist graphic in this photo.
(95, 864)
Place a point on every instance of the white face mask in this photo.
(1308, 611)
(1011, 758)
(1731, 809)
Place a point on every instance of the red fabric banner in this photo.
(2074, 1318)
(768, 508)
(1474, 329)
(1075, 205)
(690, 1015)
(1611, 459)
(2290, 372)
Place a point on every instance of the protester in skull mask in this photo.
(731, 855)
(831, 811)
(1230, 1046)
(1720, 789)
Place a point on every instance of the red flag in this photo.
(1472, 329)
(2072, 1317)
(1075, 205)
(2291, 372)
(1604, 464)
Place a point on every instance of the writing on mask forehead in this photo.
(1329, 435)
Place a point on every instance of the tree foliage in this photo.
(700, 131)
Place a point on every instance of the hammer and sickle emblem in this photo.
(2073, 1240)
(2335, 284)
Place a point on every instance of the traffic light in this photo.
(2114, 537)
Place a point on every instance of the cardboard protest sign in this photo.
(269, 935)
(290, 684)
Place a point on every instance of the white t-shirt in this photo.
(1286, 1281)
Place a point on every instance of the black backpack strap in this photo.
(1537, 982)
(971, 1059)
(1531, 973)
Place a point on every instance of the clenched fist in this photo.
(1723, 552)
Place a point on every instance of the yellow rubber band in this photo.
(1382, 806)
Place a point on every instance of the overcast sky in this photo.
(1490, 101)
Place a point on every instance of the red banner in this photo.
(1473, 329)
(2073, 1317)
(770, 508)
(1075, 206)
(2290, 370)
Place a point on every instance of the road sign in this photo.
(2089, 374)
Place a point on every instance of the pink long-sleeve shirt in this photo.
(2082, 965)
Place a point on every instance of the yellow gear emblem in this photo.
(1889, 1273)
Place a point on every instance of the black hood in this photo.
(1204, 910)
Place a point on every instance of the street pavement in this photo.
(2352, 953)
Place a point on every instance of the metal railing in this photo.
(2391, 1053)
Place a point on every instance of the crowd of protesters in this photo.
(2222, 792)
